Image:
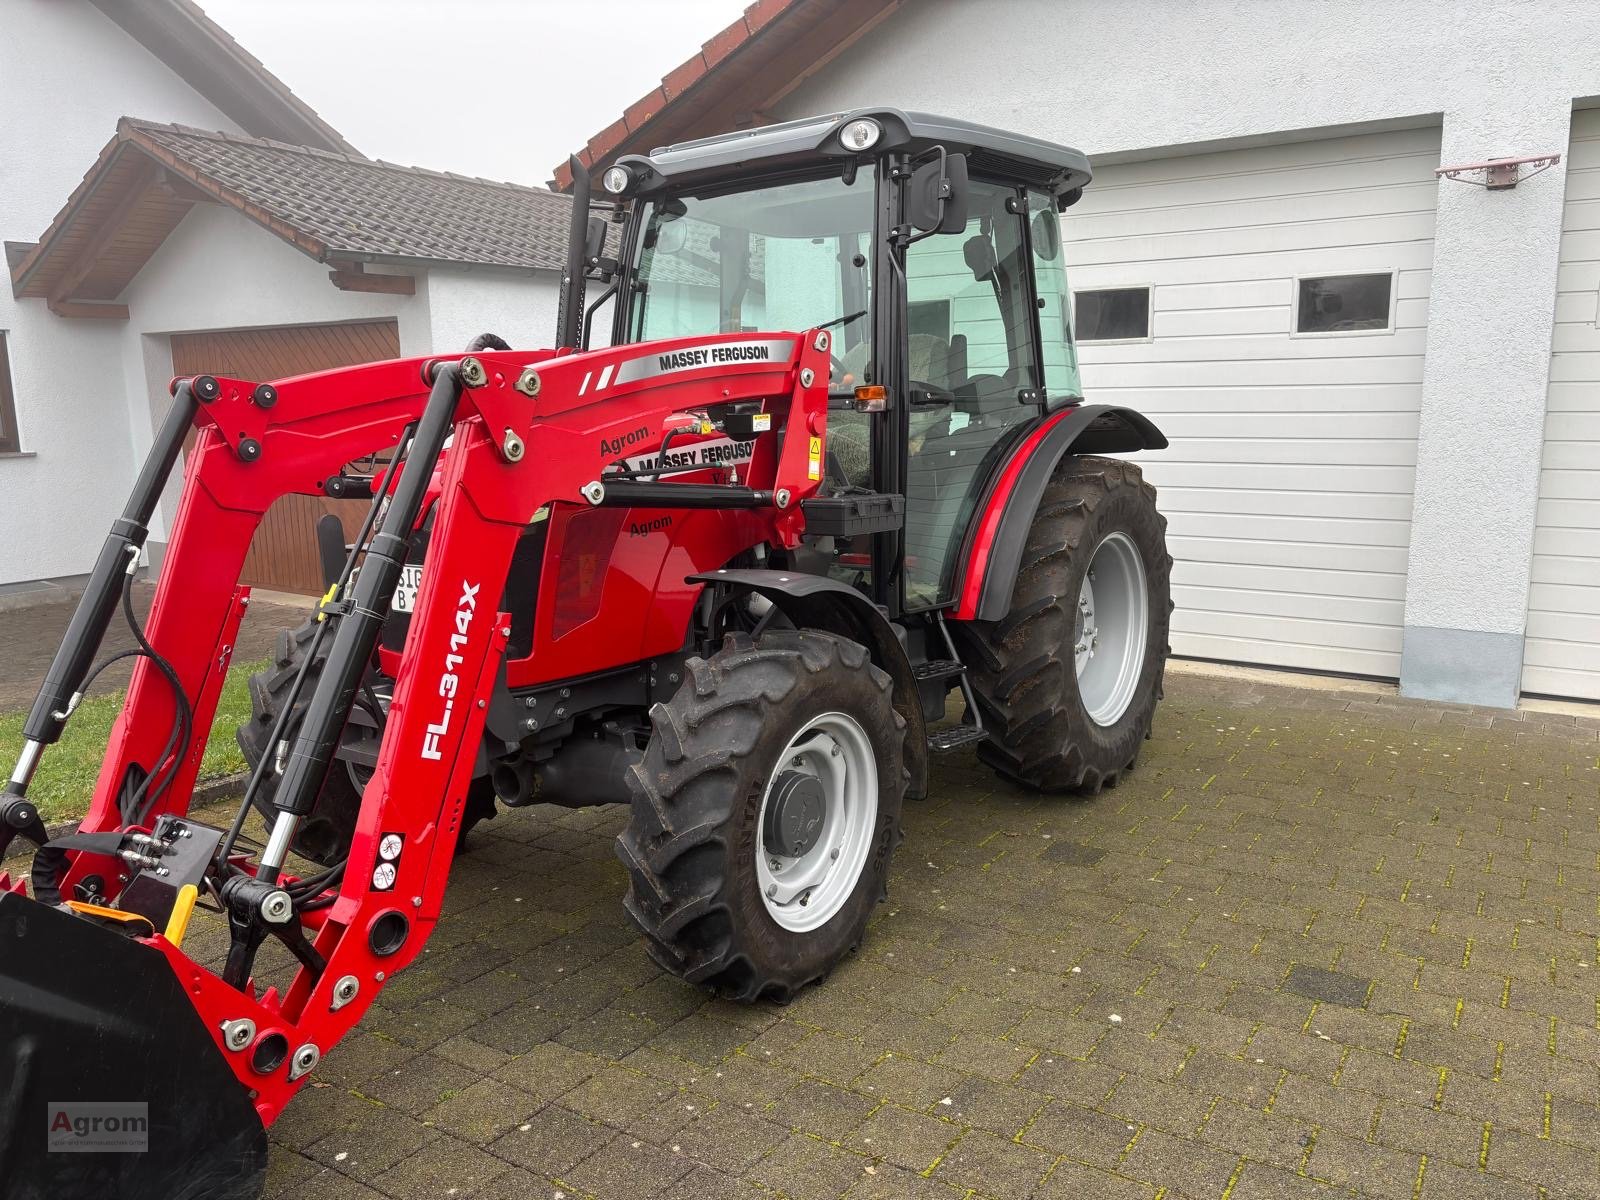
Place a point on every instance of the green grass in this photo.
(64, 784)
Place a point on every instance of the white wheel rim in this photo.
(804, 891)
(1112, 626)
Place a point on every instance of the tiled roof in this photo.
(735, 78)
(333, 207)
(360, 209)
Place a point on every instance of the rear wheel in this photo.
(1068, 680)
(324, 836)
(765, 813)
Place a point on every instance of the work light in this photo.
(860, 134)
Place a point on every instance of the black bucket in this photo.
(110, 1086)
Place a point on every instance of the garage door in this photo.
(1561, 656)
(1267, 308)
(284, 553)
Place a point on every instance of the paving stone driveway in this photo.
(1321, 943)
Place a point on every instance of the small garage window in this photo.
(931, 317)
(1344, 303)
(1112, 315)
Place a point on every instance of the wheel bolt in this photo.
(834, 853)
(772, 890)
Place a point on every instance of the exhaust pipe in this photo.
(584, 772)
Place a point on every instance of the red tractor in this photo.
(725, 571)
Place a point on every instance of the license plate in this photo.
(405, 592)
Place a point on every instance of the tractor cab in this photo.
(930, 247)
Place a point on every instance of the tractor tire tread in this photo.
(676, 846)
(1016, 664)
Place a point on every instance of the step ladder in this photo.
(971, 730)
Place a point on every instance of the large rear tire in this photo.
(765, 812)
(324, 836)
(1068, 681)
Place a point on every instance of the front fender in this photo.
(993, 551)
(817, 602)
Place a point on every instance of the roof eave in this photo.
(208, 59)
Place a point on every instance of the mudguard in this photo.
(817, 602)
(993, 551)
(88, 1018)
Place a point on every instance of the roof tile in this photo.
(643, 109)
(725, 43)
(762, 11)
(683, 77)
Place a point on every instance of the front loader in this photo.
(725, 572)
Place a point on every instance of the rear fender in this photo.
(817, 602)
(993, 552)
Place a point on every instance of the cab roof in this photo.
(1033, 161)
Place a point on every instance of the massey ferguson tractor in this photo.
(726, 571)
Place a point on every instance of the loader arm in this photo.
(527, 430)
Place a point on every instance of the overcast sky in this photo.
(499, 88)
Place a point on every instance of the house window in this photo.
(1344, 303)
(9, 443)
(1112, 315)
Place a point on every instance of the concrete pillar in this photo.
(1491, 315)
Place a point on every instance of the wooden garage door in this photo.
(1288, 484)
(284, 553)
(1561, 651)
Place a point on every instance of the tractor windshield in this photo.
(704, 260)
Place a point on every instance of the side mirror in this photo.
(936, 195)
(594, 242)
(1046, 235)
(978, 250)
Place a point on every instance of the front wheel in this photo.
(765, 812)
(1068, 680)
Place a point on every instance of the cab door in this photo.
(973, 377)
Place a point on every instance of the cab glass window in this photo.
(1061, 380)
(705, 261)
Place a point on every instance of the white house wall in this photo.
(1164, 77)
(66, 74)
(462, 303)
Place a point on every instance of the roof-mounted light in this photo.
(616, 180)
(861, 134)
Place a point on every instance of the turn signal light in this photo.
(872, 397)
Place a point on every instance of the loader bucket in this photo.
(109, 1083)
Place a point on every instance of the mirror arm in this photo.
(944, 198)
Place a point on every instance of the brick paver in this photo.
(1319, 944)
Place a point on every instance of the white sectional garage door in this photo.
(1288, 483)
(1561, 655)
